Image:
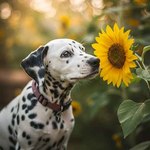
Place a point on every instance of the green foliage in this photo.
(142, 146)
(131, 114)
(143, 74)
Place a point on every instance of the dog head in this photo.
(64, 59)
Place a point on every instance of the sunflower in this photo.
(76, 108)
(113, 50)
(65, 21)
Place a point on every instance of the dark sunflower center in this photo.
(116, 55)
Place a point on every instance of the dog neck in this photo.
(55, 90)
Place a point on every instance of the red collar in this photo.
(55, 107)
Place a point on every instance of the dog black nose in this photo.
(94, 62)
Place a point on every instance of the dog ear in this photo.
(33, 64)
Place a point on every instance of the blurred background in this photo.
(27, 24)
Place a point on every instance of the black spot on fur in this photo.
(36, 125)
(47, 82)
(29, 142)
(10, 130)
(26, 111)
(44, 89)
(55, 92)
(46, 66)
(29, 87)
(56, 83)
(47, 122)
(40, 138)
(24, 106)
(14, 116)
(72, 50)
(46, 140)
(58, 118)
(18, 119)
(33, 104)
(61, 126)
(80, 48)
(18, 107)
(13, 122)
(60, 86)
(54, 124)
(30, 96)
(11, 148)
(28, 137)
(23, 99)
(32, 116)
(12, 140)
(12, 109)
(23, 134)
(22, 117)
(49, 78)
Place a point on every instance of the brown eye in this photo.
(66, 54)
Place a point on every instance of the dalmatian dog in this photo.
(41, 117)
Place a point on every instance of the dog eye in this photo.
(66, 54)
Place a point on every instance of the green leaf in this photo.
(147, 108)
(143, 74)
(142, 146)
(130, 115)
(145, 49)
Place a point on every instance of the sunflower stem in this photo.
(142, 66)
(124, 93)
(138, 63)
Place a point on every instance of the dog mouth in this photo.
(91, 75)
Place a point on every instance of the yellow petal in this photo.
(119, 78)
(95, 46)
(116, 28)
